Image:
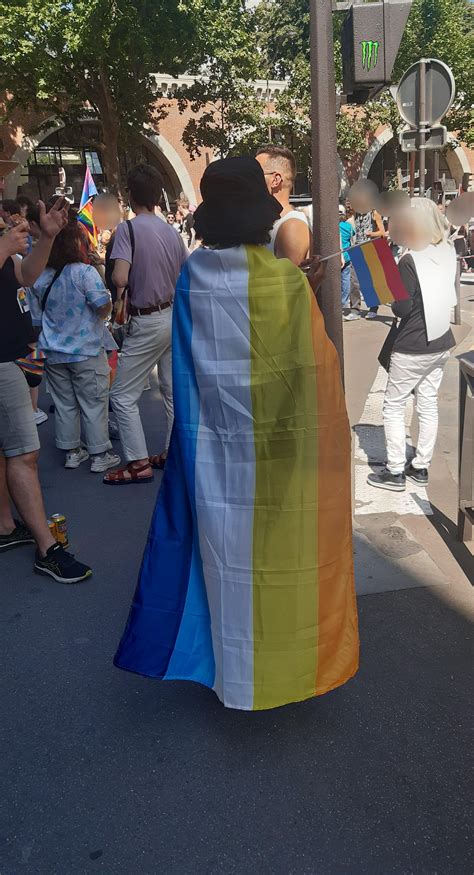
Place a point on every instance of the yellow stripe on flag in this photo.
(284, 405)
(377, 272)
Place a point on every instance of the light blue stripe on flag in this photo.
(193, 655)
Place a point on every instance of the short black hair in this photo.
(33, 214)
(24, 200)
(11, 206)
(145, 185)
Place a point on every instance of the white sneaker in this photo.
(350, 317)
(371, 315)
(102, 463)
(73, 460)
(40, 416)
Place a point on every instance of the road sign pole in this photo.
(325, 183)
(422, 126)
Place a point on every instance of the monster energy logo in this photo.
(370, 53)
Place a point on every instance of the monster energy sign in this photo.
(370, 53)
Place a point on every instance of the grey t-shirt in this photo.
(157, 261)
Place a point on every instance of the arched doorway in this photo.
(385, 155)
(76, 147)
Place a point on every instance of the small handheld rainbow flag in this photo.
(89, 189)
(85, 217)
(378, 274)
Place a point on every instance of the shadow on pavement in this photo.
(448, 532)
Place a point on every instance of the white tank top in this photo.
(293, 214)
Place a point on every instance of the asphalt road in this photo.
(103, 771)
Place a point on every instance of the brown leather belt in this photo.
(145, 311)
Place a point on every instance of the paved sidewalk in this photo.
(104, 771)
(415, 529)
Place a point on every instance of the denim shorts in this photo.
(18, 432)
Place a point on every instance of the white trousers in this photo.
(148, 343)
(422, 373)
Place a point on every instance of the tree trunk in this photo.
(110, 122)
(110, 158)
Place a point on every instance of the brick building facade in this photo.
(29, 158)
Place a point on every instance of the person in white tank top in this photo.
(290, 237)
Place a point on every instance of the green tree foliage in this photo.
(94, 58)
(436, 28)
(222, 97)
(444, 29)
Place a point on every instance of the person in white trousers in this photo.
(423, 342)
(148, 255)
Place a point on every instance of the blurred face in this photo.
(406, 229)
(170, 218)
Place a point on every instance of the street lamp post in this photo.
(325, 183)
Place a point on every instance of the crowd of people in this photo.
(242, 358)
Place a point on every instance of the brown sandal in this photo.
(119, 478)
(159, 462)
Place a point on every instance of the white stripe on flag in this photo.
(225, 462)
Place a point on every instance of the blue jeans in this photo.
(346, 285)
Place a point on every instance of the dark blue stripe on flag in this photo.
(364, 276)
(169, 567)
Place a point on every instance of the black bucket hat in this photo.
(236, 203)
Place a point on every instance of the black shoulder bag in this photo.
(46, 294)
(385, 353)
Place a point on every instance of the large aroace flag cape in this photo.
(247, 582)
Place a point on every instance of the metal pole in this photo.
(412, 173)
(457, 308)
(422, 126)
(268, 112)
(435, 175)
(325, 183)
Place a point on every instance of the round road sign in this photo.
(440, 91)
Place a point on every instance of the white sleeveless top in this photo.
(293, 214)
(436, 269)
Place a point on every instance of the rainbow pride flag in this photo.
(246, 584)
(378, 274)
(85, 217)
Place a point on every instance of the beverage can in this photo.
(61, 528)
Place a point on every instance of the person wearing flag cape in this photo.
(247, 583)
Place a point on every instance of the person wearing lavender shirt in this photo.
(148, 262)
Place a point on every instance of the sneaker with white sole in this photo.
(20, 536)
(351, 317)
(371, 315)
(417, 475)
(40, 416)
(386, 480)
(74, 459)
(102, 463)
(61, 566)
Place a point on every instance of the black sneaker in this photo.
(417, 475)
(386, 480)
(61, 566)
(20, 535)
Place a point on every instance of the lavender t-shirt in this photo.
(159, 256)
